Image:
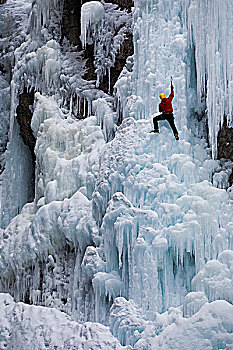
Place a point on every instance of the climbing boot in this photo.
(155, 131)
(176, 137)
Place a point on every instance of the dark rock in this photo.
(230, 180)
(225, 145)
(71, 28)
(24, 116)
(2, 69)
(89, 55)
(225, 142)
(123, 4)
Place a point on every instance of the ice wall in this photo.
(210, 35)
(118, 212)
(16, 181)
(198, 55)
(160, 52)
(159, 220)
(17, 186)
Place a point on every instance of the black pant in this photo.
(169, 118)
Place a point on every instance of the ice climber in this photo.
(166, 112)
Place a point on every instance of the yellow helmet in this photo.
(162, 95)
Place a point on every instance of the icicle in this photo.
(84, 107)
(109, 80)
(213, 65)
(91, 14)
(71, 104)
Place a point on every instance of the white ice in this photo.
(138, 211)
(92, 13)
(34, 327)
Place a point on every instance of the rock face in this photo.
(123, 4)
(225, 143)
(225, 146)
(71, 28)
(24, 116)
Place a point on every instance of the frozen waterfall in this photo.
(128, 240)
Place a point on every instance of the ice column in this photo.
(92, 13)
(210, 26)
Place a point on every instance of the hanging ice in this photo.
(92, 14)
(210, 35)
(107, 27)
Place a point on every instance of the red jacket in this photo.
(165, 105)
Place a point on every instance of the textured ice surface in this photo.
(208, 327)
(67, 151)
(34, 327)
(105, 118)
(200, 331)
(39, 69)
(159, 226)
(134, 220)
(213, 57)
(215, 278)
(107, 27)
(193, 302)
(92, 13)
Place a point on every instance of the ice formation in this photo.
(166, 210)
(213, 57)
(92, 13)
(99, 25)
(34, 327)
(129, 229)
(171, 330)
(199, 331)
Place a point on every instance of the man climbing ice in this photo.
(165, 107)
